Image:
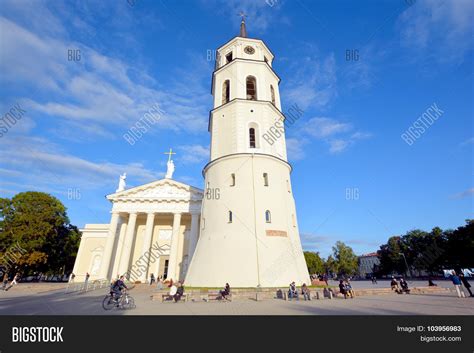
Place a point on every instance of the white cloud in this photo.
(465, 193)
(338, 145)
(194, 154)
(38, 162)
(295, 148)
(321, 127)
(98, 89)
(337, 134)
(444, 28)
(467, 142)
(313, 83)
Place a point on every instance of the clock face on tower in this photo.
(249, 50)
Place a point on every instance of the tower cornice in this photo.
(235, 100)
(235, 39)
(233, 155)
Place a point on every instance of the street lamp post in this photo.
(406, 263)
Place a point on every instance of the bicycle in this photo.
(124, 302)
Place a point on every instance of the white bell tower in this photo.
(249, 232)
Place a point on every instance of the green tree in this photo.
(346, 259)
(314, 262)
(427, 250)
(37, 223)
(391, 260)
(460, 246)
(330, 265)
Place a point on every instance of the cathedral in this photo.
(242, 229)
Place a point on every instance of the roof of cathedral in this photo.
(152, 185)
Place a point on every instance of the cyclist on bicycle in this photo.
(117, 287)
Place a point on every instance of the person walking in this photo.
(466, 284)
(325, 279)
(15, 281)
(152, 279)
(457, 285)
(86, 282)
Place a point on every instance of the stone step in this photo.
(271, 293)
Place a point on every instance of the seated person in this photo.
(349, 289)
(117, 287)
(394, 285)
(179, 292)
(305, 291)
(225, 292)
(404, 285)
(342, 288)
(292, 292)
(173, 290)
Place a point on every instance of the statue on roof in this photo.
(122, 184)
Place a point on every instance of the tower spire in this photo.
(243, 29)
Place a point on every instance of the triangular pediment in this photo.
(164, 189)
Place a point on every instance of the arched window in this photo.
(230, 216)
(272, 92)
(268, 216)
(225, 91)
(232, 180)
(251, 88)
(252, 137)
(265, 179)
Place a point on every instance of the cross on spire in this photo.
(243, 30)
(169, 154)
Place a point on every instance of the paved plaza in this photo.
(26, 301)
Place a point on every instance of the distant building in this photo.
(367, 263)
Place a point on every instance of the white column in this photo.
(109, 245)
(127, 245)
(173, 262)
(118, 251)
(150, 220)
(193, 235)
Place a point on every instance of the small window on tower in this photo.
(268, 216)
(252, 137)
(265, 179)
(228, 57)
(272, 93)
(251, 88)
(232, 179)
(225, 91)
(230, 216)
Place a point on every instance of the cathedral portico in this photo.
(154, 228)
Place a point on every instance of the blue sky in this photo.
(347, 143)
